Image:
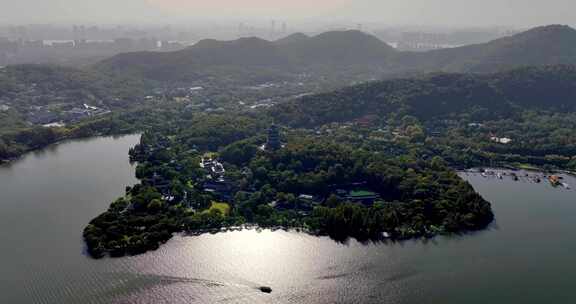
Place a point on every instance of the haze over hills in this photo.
(546, 45)
(339, 51)
(295, 53)
(293, 38)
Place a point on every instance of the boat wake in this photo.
(147, 281)
(207, 283)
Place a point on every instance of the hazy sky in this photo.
(419, 12)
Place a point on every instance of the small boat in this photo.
(265, 289)
(500, 176)
(554, 180)
(565, 185)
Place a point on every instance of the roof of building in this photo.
(362, 193)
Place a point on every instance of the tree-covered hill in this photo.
(47, 84)
(440, 95)
(546, 45)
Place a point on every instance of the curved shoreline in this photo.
(381, 237)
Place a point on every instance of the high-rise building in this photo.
(241, 29)
(272, 28)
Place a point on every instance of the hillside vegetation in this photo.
(440, 95)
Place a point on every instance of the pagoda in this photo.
(273, 142)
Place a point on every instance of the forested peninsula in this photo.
(313, 184)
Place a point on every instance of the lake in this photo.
(47, 197)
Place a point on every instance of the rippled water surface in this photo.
(46, 198)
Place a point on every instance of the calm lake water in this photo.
(528, 256)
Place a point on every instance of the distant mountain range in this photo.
(339, 51)
(295, 53)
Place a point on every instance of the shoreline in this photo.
(4, 161)
(381, 237)
(554, 178)
(516, 169)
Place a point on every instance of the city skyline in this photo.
(389, 12)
